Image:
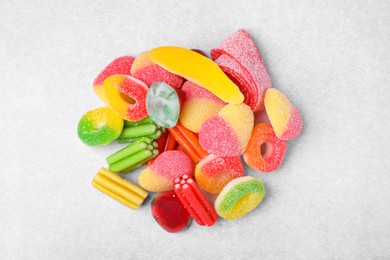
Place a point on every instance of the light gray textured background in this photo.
(330, 198)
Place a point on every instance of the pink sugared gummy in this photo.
(147, 71)
(228, 132)
(121, 65)
(199, 104)
(217, 137)
(213, 165)
(241, 48)
(294, 126)
(193, 91)
(173, 164)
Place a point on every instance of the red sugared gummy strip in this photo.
(121, 65)
(241, 47)
(241, 78)
(153, 73)
(194, 201)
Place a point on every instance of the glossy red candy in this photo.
(169, 213)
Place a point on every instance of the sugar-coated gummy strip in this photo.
(197, 68)
(241, 47)
(119, 189)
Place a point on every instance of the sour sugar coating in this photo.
(163, 104)
(197, 68)
(121, 65)
(126, 95)
(284, 116)
(199, 104)
(147, 71)
(194, 201)
(242, 79)
(214, 172)
(169, 213)
(169, 165)
(265, 151)
(239, 197)
(227, 133)
(99, 126)
(243, 50)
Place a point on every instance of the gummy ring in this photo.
(239, 197)
(265, 151)
(99, 126)
(126, 95)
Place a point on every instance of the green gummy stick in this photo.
(137, 131)
(127, 151)
(130, 161)
(155, 135)
(154, 154)
(141, 122)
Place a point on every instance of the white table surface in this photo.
(329, 199)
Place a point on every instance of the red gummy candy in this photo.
(169, 213)
(194, 201)
(241, 48)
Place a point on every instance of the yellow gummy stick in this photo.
(198, 69)
(119, 189)
(114, 196)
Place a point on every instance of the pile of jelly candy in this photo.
(190, 121)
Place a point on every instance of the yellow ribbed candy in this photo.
(197, 69)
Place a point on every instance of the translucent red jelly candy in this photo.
(169, 213)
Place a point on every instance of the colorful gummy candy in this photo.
(126, 95)
(214, 172)
(265, 151)
(163, 104)
(119, 189)
(239, 197)
(199, 104)
(121, 65)
(284, 116)
(189, 119)
(169, 212)
(168, 166)
(99, 126)
(227, 133)
(132, 131)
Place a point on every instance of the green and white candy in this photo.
(163, 104)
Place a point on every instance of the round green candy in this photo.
(99, 126)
